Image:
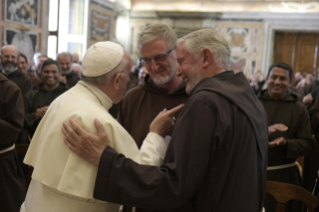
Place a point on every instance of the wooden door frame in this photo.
(270, 27)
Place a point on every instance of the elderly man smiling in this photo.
(217, 157)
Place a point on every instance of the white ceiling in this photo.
(273, 6)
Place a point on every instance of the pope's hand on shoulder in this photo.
(87, 145)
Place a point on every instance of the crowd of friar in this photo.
(28, 87)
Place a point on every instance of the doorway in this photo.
(297, 49)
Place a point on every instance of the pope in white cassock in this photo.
(62, 181)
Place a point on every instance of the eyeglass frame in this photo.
(162, 56)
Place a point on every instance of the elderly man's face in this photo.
(163, 70)
(278, 82)
(9, 58)
(65, 63)
(188, 69)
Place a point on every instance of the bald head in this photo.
(9, 58)
(10, 48)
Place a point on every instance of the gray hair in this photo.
(106, 78)
(196, 41)
(66, 54)
(76, 65)
(155, 31)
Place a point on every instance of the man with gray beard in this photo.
(68, 76)
(162, 88)
(9, 60)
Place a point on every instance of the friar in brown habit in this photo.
(290, 131)
(9, 60)
(217, 157)
(12, 185)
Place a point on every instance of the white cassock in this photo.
(62, 181)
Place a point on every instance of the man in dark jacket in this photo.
(38, 101)
(288, 142)
(217, 157)
(9, 60)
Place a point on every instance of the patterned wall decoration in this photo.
(101, 23)
(22, 12)
(245, 39)
(100, 26)
(26, 42)
(24, 25)
(239, 38)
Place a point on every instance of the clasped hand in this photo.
(278, 141)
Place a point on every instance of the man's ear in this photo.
(207, 57)
(116, 81)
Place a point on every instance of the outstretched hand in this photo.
(277, 127)
(277, 142)
(87, 145)
(164, 122)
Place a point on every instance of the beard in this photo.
(161, 80)
(194, 78)
(9, 68)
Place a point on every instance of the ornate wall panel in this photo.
(101, 22)
(245, 39)
(24, 25)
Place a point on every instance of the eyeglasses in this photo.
(157, 58)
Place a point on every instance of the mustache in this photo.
(12, 63)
